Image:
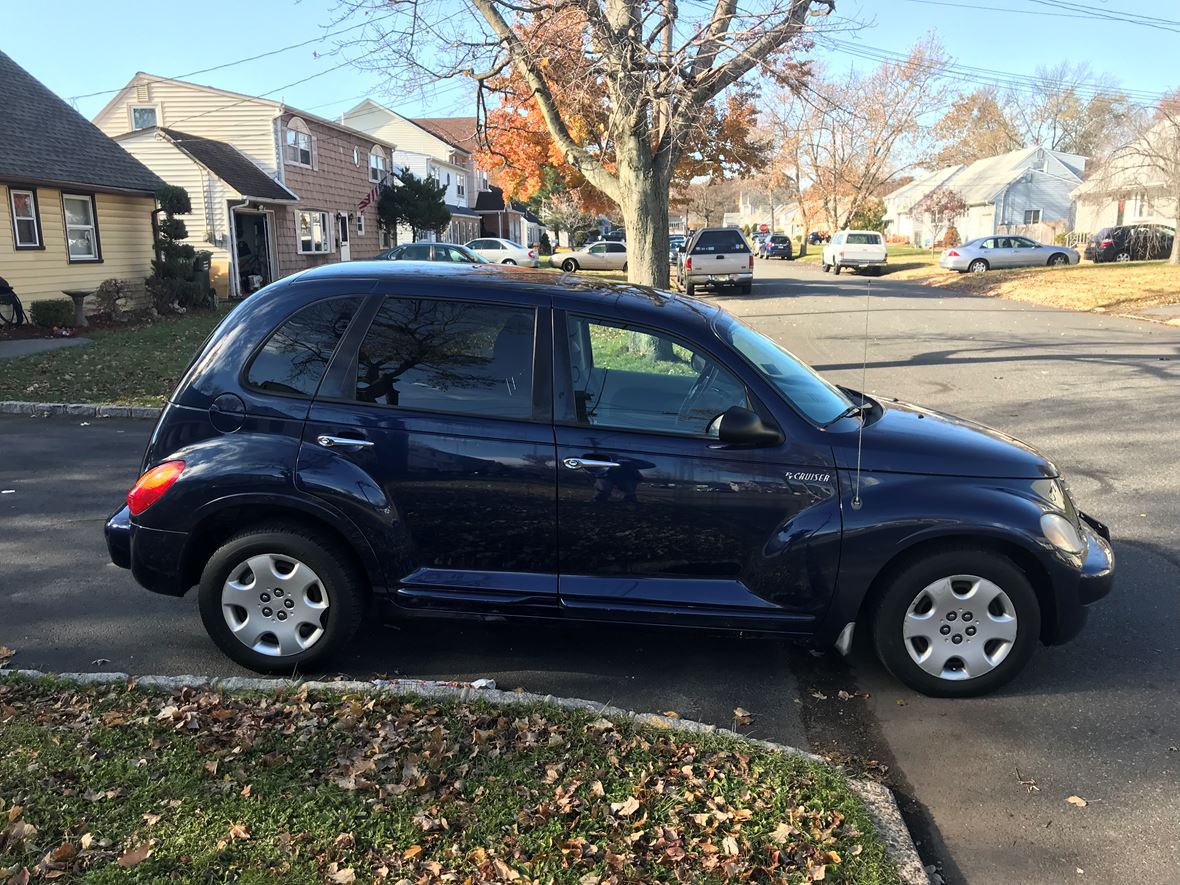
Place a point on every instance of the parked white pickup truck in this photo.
(858, 249)
(716, 258)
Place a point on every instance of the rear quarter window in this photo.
(720, 241)
(293, 360)
(864, 239)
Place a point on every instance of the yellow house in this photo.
(75, 208)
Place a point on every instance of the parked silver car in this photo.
(997, 253)
(606, 255)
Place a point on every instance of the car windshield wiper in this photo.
(857, 409)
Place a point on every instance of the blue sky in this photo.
(94, 48)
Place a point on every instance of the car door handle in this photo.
(580, 463)
(331, 442)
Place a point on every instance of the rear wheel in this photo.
(957, 624)
(279, 598)
(690, 290)
(977, 266)
(1123, 256)
(1058, 259)
(836, 269)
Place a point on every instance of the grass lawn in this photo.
(112, 784)
(136, 366)
(1086, 286)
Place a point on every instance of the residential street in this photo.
(1098, 718)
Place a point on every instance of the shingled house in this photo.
(76, 208)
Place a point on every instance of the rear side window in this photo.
(720, 241)
(864, 239)
(294, 359)
(449, 356)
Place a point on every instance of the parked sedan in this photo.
(606, 255)
(492, 444)
(995, 253)
(499, 251)
(1139, 242)
(431, 252)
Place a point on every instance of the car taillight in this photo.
(1108, 242)
(532, 254)
(152, 485)
(751, 262)
(688, 264)
(951, 253)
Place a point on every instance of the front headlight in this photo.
(1060, 532)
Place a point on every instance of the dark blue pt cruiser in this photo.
(494, 443)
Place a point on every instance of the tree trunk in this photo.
(1174, 258)
(643, 188)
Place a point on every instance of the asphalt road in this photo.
(1098, 718)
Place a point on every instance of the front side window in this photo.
(315, 237)
(294, 359)
(416, 252)
(81, 227)
(814, 397)
(26, 226)
(143, 118)
(377, 165)
(637, 380)
(449, 356)
(298, 147)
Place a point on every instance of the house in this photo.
(502, 218)
(1026, 192)
(76, 208)
(1132, 187)
(275, 190)
(438, 148)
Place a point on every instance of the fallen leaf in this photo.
(817, 872)
(246, 791)
(239, 831)
(151, 819)
(100, 662)
(818, 695)
(844, 696)
(742, 717)
(211, 766)
(1078, 801)
(345, 876)
(625, 809)
(135, 855)
(671, 714)
(782, 833)
(412, 852)
(87, 838)
(900, 702)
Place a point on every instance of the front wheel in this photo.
(957, 624)
(569, 266)
(280, 598)
(1058, 260)
(977, 266)
(508, 261)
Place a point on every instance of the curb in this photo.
(76, 410)
(878, 800)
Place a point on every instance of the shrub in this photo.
(52, 312)
(111, 297)
(951, 238)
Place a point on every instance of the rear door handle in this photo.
(580, 463)
(331, 442)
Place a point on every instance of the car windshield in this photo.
(778, 241)
(818, 400)
(512, 244)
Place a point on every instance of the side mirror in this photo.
(741, 427)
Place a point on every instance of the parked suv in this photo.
(1137, 242)
(457, 440)
(856, 249)
(778, 246)
(717, 258)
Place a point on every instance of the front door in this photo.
(342, 236)
(440, 432)
(252, 248)
(655, 517)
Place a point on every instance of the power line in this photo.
(1088, 14)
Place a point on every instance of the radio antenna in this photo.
(864, 374)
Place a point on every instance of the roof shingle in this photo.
(230, 165)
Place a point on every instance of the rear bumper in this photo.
(954, 263)
(711, 282)
(155, 557)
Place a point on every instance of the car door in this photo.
(595, 257)
(1026, 253)
(656, 519)
(615, 256)
(437, 427)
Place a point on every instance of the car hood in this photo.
(904, 438)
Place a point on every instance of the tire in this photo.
(508, 261)
(333, 582)
(1123, 256)
(1058, 259)
(986, 577)
(569, 266)
(978, 266)
(624, 265)
(836, 269)
(690, 290)
(825, 267)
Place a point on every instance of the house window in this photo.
(315, 236)
(1032, 216)
(143, 117)
(81, 227)
(360, 224)
(1141, 205)
(377, 165)
(297, 149)
(459, 185)
(26, 225)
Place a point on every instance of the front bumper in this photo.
(155, 557)
(1094, 580)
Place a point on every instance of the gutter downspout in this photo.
(235, 276)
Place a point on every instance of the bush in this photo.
(52, 312)
(111, 297)
(951, 238)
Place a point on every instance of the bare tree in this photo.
(705, 201)
(652, 62)
(565, 212)
(976, 126)
(1069, 108)
(942, 207)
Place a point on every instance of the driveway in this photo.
(1099, 718)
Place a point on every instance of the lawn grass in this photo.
(136, 366)
(113, 784)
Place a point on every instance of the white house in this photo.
(1026, 191)
(1132, 187)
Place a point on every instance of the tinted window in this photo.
(294, 359)
(864, 239)
(416, 252)
(449, 356)
(484, 244)
(615, 247)
(456, 253)
(778, 241)
(639, 381)
(720, 241)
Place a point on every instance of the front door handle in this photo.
(331, 442)
(587, 463)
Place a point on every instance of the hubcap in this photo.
(960, 627)
(978, 267)
(274, 605)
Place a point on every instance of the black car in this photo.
(1130, 242)
(816, 238)
(495, 443)
(451, 252)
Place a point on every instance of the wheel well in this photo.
(984, 261)
(212, 532)
(1022, 558)
(1057, 255)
